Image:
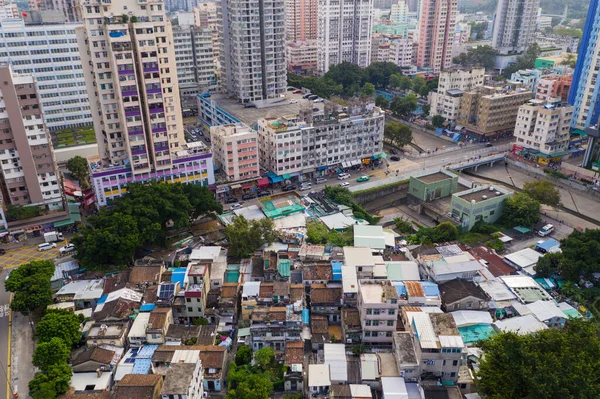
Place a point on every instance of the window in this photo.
(455, 363)
(469, 305)
(391, 312)
(390, 323)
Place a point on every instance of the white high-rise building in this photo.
(445, 100)
(514, 25)
(194, 60)
(50, 53)
(253, 53)
(344, 32)
(128, 58)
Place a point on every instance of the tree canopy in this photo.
(542, 191)
(381, 101)
(404, 106)
(59, 323)
(553, 363)
(525, 61)
(78, 166)
(443, 232)
(398, 134)
(30, 284)
(141, 216)
(47, 354)
(246, 236)
(243, 355)
(521, 210)
(264, 357)
(484, 56)
(437, 121)
(318, 233)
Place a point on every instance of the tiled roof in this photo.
(317, 271)
(351, 317)
(294, 352)
(212, 356)
(494, 263)
(414, 289)
(296, 292)
(320, 293)
(96, 354)
(145, 274)
(119, 309)
(457, 289)
(265, 290)
(137, 386)
(229, 290)
(281, 288)
(158, 317)
(319, 325)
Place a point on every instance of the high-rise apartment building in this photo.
(553, 86)
(437, 26)
(128, 58)
(585, 89)
(400, 13)
(50, 53)
(514, 25)
(301, 20)
(235, 151)
(344, 32)
(446, 99)
(253, 55)
(544, 126)
(301, 57)
(27, 167)
(69, 8)
(9, 11)
(194, 62)
(392, 48)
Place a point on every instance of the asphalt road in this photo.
(4, 337)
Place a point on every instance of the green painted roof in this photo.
(283, 267)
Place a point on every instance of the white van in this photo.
(46, 246)
(547, 229)
(321, 180)
(305, 186)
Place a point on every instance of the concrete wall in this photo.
(469, 213)
(430, 191)
(394, 192)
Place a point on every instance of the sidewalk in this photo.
(21, 370)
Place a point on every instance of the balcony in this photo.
(141, 151)
(154, 90)
(156, 111)
(129, 93)
(126, 72)
(133, 112)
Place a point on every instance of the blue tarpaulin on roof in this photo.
(147, 307)
(400, 288)
(305, 316)
(275, 179)
(430, 289)
(141, 366)
(102, 299)
(336, 268)
(178, 276)
(548, 244)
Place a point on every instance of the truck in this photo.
(53, 236)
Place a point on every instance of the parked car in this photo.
(321, 180)
(66, 249)
(393, 152)
(46, 246)
(235, 206)
(489, 145)
(293, 101)
(207, 139)
(249, 105)
(297, 91)
(343, 176)
(544, 231)
(313, 97)
(318, 100)
(200, 133)
(307, 95)
(290, 88)
(264, 194)
(345, 184)
(291, 187)
(248, 196)
(231, 200)
(7, 276)
(363, 178)
(394, 158)
(305, 186)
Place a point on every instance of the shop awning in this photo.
(275, 179)
(236, 186)
(552, 155)
(522, 229)
(355, 162)
(64, 223)
(345, 164)
(247, 186)
(320, 168)
(263, 182)
(579, 132)
(287, 176)
(383, 155)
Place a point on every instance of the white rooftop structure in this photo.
(138, 327)
(358, 256)
(360, 391)
(335, 357)
(124, 293)
(186, 356)
(82, 289)
(525, 288)
(250, 289)
(521, 325)
(369, 367)
(318, 375)
(390, 237)
(444, 270)
(85, 381)
(497, 290)
(337, 221)
(205, 254)
(465, 318)
(524, 259)
(369, 236)
(293, 221)
(403, 270)
(251, 212)
(424, 329)
(349, 280)
(62, 268)
(545, 310)
(393, 388)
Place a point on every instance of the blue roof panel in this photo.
(430, 289)
(141, 366)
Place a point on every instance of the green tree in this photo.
(368, 90)
(316, 232)
(395, 81)
(78, 166)
(253, 386)
(404, 106)
(521, 210)
(405, 83)
(548, 265)
(200, 321)
(358, 349)
(243, 355)
(203, 200)
(543, 191)
(564, 31)
(59, 323)
(553, 363)
(417, 83)
(245, 236)
(52, 383)
(437, 120)
(424, 91)
(403, 226)
(40, 387)
(484, 56)
(30, 284)
(581, 254)
(461, 59)
(445, 231)
(48, 354)
(525, 61)
(264, 357)
(379, 73)
(21, 212)
(380, 101)
(426, 109)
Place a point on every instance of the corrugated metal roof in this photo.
(424, 329)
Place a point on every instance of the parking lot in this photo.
(16, 257)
